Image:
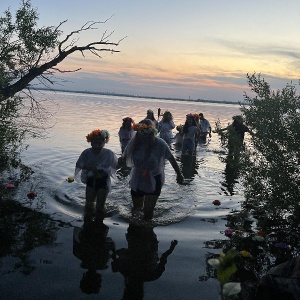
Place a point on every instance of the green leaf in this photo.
(224, 275)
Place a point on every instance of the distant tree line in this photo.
(140, 96)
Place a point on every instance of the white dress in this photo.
(125, 136)
(105, 161)
(146, 167)
(165, 131)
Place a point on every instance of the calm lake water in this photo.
(183, 212)
(54, 158)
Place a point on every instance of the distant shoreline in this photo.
(139, 96)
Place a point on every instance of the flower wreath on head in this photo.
(144, 128)
(103, 133)
(193, 116)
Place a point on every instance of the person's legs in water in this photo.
(191, 148)
(184, 147)
(138, 203)
(149, 205)
(151, 199)
(137, 200)
(146, 201)
(96, 194)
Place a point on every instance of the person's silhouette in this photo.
(140, 262)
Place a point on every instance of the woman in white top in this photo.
(190, 134)
(94, 167)
(146, 155)
(126, 132)
(150, 115)
(165, 127)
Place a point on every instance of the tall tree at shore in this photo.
(27, 53)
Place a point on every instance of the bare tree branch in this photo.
(36, 70)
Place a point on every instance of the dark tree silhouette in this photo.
(31, 54)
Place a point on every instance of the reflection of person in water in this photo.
(140, 262)
(231, 174)
(189, 166)
(235, 142)
(92, 246)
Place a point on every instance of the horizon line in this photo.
(139, 96)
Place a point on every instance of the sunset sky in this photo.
(193, 48)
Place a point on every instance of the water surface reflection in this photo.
(93, 247)
(139, 262)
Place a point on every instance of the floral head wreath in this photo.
(144, 128)
(193, 116)
(104, 134)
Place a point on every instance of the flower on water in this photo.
(214, 262)
(229, 232)
(283, 246)
(258, 238)
(31, 195)
(231, 288)
(216, 202)
(245, 253)
(10, 186)
(70, 179)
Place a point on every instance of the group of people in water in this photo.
(194, 131)
(145, 147)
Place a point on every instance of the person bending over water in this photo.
(146, 154)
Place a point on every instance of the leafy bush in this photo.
(270, 163)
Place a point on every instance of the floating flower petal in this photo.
(229, 232)
(245, 253)
(214, 262)
(283, 246)
(216, 202)
(31, 195)
(70, 179)
(231, 289)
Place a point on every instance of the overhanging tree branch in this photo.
(34, 72)
(29, 52)
(25, 49)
